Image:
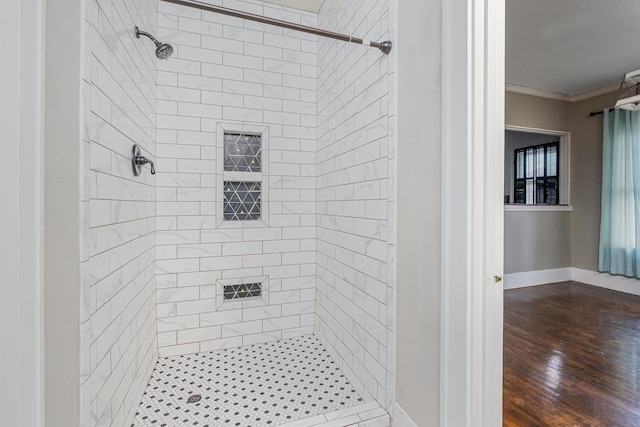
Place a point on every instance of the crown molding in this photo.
(536, 92)
(596, 92)
(561, 96)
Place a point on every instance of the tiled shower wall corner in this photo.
(234, 73)
(356, 197)
(118, 316)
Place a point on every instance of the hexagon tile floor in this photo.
(261, 385)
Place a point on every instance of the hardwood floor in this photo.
(571, 357)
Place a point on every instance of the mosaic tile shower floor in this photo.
(261, 385)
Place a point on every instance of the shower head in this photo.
(163, 50)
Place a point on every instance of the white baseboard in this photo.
(400, 417)
(627, 285)
(533, 278)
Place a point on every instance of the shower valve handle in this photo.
(138, 160)
(141, 160)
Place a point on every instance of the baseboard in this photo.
(400, 418)
(533, 278)
(627, 285)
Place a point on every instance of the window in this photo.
(537, 181)
(241, 176)
(536, 169)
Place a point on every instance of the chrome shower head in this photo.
(163, 50)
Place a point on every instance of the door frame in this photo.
(472, 212)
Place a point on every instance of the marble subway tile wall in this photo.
(356, 197)
(118, 315)
(228, 74)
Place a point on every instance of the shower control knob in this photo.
(138, 160)
(143, 161)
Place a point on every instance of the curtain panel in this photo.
(620, 204)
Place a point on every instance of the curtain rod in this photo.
(385, 46)
(595, 113)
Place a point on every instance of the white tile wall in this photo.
(153, 244)
(356, 197)
(229, 72)
(118, 324)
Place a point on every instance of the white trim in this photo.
(22, 124)
(534, 278)
(561, 96)
(596, 92)
(222, 175)
(536, 130)
(489, 359)
(472, 220)
(10, 331)
(627, 285)
(400, 418)
(538, 208)
(31, 231)
(537, 92)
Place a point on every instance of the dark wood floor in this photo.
(571, 357)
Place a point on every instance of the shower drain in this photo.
(194, 398)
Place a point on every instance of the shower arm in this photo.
(385, 46)
(144, 33)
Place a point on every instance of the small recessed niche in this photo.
(241, 291)
(242, 201)
(242, 152)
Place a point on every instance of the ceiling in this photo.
(565, 47)
(571, 46)
(308, 5)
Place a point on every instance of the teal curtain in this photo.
(620, 204)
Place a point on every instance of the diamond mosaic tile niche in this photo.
(242, 152)
(261, 385)
(245, 290)
(242, 201)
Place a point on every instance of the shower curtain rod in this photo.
(385, 46)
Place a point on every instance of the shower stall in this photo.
(250, 281)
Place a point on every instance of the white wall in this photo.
(234, 73)
(9, 175)
(62, 279)
(118, 316)
(420, 133)
(356, 197)
(30, 389)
